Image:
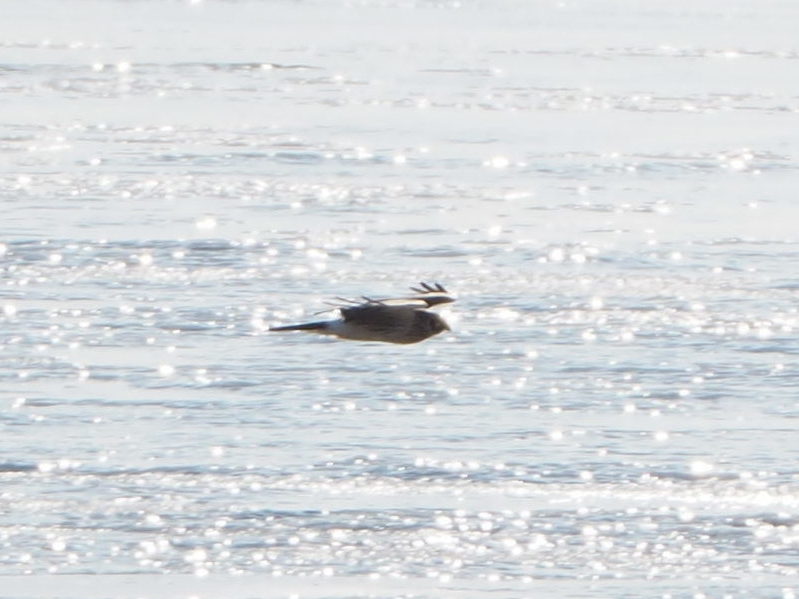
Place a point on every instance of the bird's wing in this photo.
(428, 288)
(432, 294)
(428, 295)
(414, 303)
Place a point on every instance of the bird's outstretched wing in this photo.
(432, 295)
(428, 288)
(427, 296)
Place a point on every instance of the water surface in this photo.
(608, 188)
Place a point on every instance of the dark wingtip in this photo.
(428, 288)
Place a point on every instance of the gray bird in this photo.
(390, 320)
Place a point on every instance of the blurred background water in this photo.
(608, 186)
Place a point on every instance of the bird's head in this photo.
(434, 323)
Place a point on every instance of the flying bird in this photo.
(390, 320)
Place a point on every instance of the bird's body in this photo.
(399, 320)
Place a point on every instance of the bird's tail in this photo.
(308, 326)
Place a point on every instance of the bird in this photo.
(402, 320)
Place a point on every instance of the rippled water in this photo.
(608, 187)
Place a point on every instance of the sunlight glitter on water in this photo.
(612, 409)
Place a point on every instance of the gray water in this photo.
(609, 188)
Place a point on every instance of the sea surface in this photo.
(609, 187)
